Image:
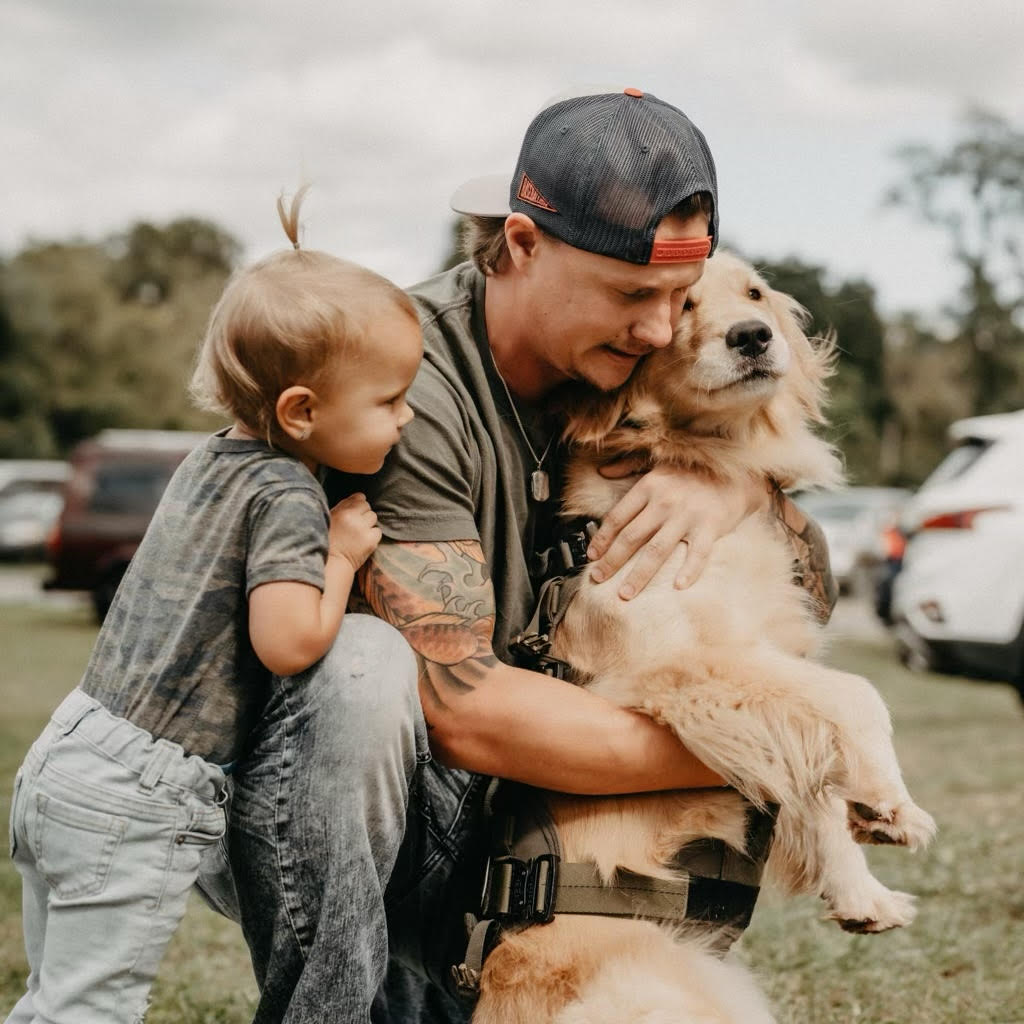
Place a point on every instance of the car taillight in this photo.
(53, 543)
(962, 520)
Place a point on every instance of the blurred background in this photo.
(871, 163)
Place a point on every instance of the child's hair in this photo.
(288, 319)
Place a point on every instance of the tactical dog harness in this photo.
(526, 881)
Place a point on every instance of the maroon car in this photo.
(117, 479)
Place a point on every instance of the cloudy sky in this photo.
(113, 111)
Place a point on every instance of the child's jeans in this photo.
(107, 828)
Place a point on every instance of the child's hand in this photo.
(354, 533)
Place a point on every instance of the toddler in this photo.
(243, 572)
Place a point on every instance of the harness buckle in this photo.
(573, 548)
(467, 981)
(519, 891)
(531, 651)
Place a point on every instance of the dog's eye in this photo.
(754, 293)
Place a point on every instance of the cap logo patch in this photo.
(680, 250)
(529, 193)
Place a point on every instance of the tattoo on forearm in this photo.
(439, 597)
(810, 553)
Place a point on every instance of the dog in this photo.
(728, 665)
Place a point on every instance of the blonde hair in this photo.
(291, 318)
(483, 238)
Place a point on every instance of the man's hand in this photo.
(664, 508)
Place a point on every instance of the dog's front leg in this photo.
(879, 806)
(815, 851)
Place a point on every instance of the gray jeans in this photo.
(353, 853)
(108, 830)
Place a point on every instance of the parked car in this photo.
(116, 482)
(958, 600)
(26, 518)
(33, 475)
(854, 521)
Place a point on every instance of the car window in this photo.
(128, 488)
(958, 461)
(837, 513)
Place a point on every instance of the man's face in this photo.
(593, 317)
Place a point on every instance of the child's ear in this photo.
(294, 409)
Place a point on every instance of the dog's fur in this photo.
(725, 663)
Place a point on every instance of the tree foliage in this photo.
(974, 190)
(101, 334)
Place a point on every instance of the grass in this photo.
(962, 962)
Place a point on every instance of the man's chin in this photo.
(611, 372)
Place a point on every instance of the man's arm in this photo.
(811, 569)
(488, 717)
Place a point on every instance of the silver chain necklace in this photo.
(540, 483)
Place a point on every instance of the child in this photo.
(242, 564)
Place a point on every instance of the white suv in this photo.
(958, 601)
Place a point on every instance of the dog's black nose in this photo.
(751, 337)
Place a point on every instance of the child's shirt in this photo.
(174, 655)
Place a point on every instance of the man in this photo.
(360, 801)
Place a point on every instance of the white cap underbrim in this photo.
(486, 196)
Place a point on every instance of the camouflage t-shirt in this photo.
(174, 655)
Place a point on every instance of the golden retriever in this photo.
(728, 665)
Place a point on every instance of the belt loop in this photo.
(154, 771)
(66, 728)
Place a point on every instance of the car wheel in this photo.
(1018, 679)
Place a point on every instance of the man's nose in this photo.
(655, 327)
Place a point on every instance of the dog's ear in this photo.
(806, 459)
(814, 359)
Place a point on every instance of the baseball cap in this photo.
(600, 171)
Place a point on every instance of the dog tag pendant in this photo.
(540, 487)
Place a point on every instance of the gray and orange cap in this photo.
(600, 172)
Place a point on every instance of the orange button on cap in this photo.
(638, 93)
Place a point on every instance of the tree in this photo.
(974, 190)
(104, 333)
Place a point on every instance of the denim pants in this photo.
(347, 844)
(108, 826)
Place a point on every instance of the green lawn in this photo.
(962, 962)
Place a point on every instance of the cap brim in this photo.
(486, 196)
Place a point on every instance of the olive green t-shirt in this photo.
(462, 468)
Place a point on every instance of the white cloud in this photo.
(116, 110)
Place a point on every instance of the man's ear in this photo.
(294, 409)
(522, 236)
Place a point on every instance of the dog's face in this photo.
(738, 358)
(737, 339)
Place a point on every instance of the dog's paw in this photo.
(873, 909)
(904, 824)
